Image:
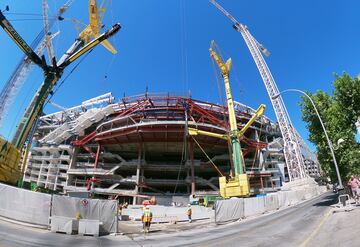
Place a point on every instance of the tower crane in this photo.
(10, 152)
(292, 153)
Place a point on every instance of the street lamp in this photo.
(322, 125)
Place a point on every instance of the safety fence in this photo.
(237, 208)
(38, 208)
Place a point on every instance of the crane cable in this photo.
(207, 156)
(257, 148)
(183, 48)
(67, 76)
(184, 150)
(110, 64)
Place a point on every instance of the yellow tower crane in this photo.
(238, 185)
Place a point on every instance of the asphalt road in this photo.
(289, 227)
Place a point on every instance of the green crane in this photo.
(10, 152)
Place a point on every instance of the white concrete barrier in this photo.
(271, 202)
(225, 210)
(229, 210)
(283, 199)
(89, 227)
(254, 206)
(292, 197)
(64, 224)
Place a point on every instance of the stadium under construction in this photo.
(140, 147)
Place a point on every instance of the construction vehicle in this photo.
(292, 151)
(237, 185)
(10, 152)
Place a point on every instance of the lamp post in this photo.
(322, 125)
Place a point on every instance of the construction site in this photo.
(139, 146)
(83, 163)
(152, 144)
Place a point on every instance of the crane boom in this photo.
(23, 68)
(52, 76)
(48, 41)
(238, 159)
(10, 152)
(292, 153)
(15, 36)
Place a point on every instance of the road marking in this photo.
(306, 241)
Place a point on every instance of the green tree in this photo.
(339, 112)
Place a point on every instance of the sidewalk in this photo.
(339, 228)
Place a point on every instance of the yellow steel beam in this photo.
(195, 132)
(259, 112)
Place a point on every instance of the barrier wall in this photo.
(283, 199)
(271, 202)
(24, 205)
(229, 210)
(234, 209)
(34, 207)
(254, 206)
(92, 209)
(292, 197)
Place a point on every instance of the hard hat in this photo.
(147, 207)
(189, 205)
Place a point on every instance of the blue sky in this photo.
(163, 45)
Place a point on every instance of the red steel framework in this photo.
(163, 113)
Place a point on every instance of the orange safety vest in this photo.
(189, 212)
(147, 216)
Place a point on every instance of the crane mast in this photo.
(235, 142)
(292, 153)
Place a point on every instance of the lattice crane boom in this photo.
(18, 77)
(48, 42)
(293, 156)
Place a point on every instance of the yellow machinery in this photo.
(237, 185)
(10, 153)
(9, 162)
(93, 29)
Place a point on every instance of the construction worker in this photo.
(146, 219)
(189, 212)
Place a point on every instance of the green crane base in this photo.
(237, 186)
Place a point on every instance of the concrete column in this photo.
(138, 168)
(142, 175)
(72, 165)
(192, 168)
